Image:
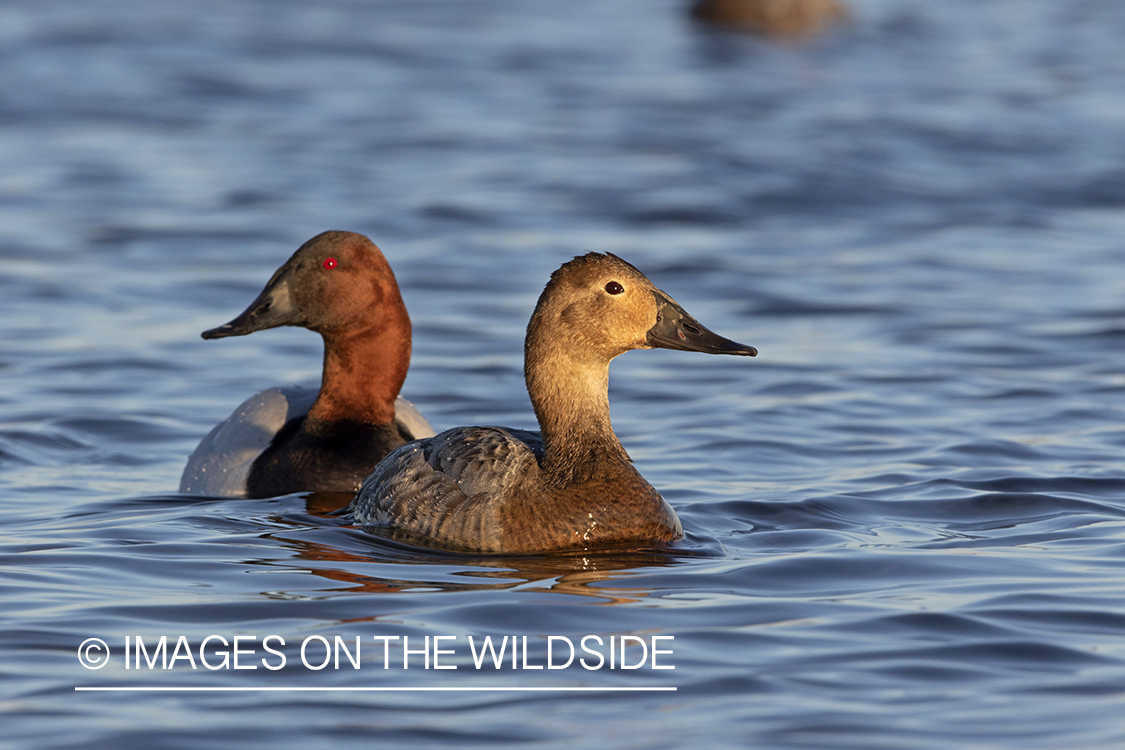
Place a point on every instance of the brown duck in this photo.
(492, 489)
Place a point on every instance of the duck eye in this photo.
(329, 263)
(614, 288)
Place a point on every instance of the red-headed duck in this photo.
(492, 489)
(284, 440)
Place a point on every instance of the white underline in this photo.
(375, 689)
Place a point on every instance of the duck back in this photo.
(481, 489)
(265, 423)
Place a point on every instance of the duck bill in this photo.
(675, 329)
(274, 307)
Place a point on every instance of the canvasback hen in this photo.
(294, 439)
(572, 485)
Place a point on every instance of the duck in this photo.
(571, 485)
(327, 439)
(778, 18)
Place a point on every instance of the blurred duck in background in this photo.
(772, 17)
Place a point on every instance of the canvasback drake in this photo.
(492, 489)
(284, 440)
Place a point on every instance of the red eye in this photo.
(329, 263)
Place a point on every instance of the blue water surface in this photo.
(905, 520)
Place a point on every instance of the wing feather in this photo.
(451, 487)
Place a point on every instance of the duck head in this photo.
(331, 285)
(605, 306)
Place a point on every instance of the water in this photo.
(905, 519)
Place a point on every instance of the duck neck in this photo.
(364, 372)
(569, 390)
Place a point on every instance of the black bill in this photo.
(675, 329)
(273, 307)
